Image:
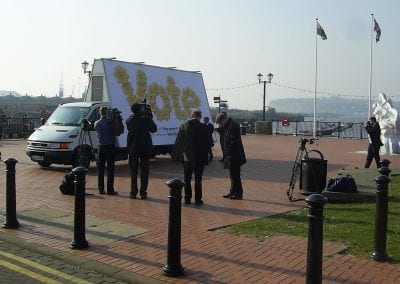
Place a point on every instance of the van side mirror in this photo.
(42, 121)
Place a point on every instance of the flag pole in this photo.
(315, 83)
(370, 69)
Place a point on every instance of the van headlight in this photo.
(59, 145)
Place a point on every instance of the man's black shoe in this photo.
(143, 196)
(187, 201)
(227, 195)
(102, 192)
(237, 197)
(132, 196)
(112, 193)
(198, 203)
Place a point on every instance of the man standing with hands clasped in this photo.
(140, 125)
(233, 152)
(191, 148)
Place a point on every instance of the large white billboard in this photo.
(171, 93)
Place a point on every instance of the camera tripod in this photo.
(302, 153)
(84, 152)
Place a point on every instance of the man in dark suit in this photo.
(210, 129)
(221, 139)
(140, 146)
(106, 138)
(234, 156)
(374, 137)
(191, 148)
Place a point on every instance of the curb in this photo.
(110, 271)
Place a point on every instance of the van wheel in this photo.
(81, 159)
(44, 164)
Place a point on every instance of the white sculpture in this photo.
(389, 121)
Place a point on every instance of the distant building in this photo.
(9, 93)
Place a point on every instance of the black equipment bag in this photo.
(67, 186)
(345, 184)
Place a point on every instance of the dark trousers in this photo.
(210, 154)
(373, 153)
(236, 182)
(188, 170)
(136, 161)
(106, 155)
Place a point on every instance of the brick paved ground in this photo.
(208, 255)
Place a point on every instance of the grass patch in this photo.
(352, 224)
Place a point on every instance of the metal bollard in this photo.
(174, 266)
(381, 216)
(316, 203)
(11, 204)
(384, 169)
(79, 241)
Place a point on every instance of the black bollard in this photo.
(381, 216)
(174, 266)
(79, 241)
(384, 169)
(385, 163)
(11, 203)
(316, 204)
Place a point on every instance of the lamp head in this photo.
(270, 75)
(85, 65)
(259, 77)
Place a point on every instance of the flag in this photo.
(377, 29)
(321, 32)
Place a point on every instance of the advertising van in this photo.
(172, 94)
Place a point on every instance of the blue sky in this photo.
(229, 41)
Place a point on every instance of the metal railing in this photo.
(22, 127)
(334, 129)
(17, 127)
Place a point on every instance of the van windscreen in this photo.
(68, 116)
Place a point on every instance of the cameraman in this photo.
(374, 137)
(106, 136)
(140, 146)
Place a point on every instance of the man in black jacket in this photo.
(374, 137)
(140, 146)
(234, 156)
(191, 148)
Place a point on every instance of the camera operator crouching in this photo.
(106, 133)
(140, 146)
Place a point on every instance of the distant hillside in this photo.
(41, 106)
(328, 108)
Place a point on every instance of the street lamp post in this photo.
(260, 79)
(85, 66)
(221, 103)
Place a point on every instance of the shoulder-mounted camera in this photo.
(142, 110)
(113, 114)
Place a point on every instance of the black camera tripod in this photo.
(302, 153)
(84, 152)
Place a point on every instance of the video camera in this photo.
(142, 110)
(86, 125)
(304, 141)
(113, 114)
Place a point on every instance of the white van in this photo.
(63, 139)
(171, 93)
